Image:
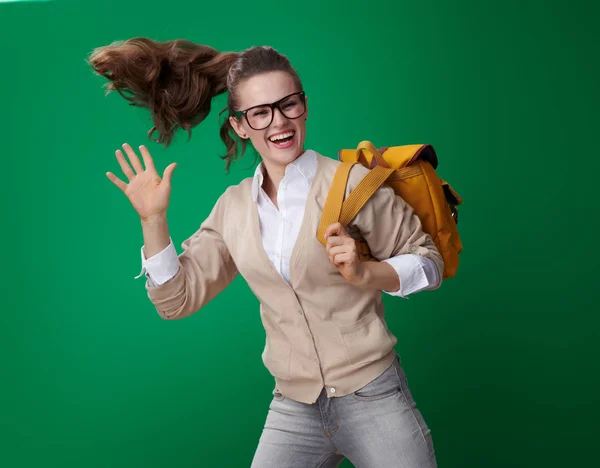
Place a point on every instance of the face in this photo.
(268, 88)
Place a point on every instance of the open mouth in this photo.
(283, 140)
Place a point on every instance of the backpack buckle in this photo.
(454, 211)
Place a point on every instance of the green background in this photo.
(502, 360)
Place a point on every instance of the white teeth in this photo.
(281, 136)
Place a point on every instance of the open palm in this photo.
(147, 192)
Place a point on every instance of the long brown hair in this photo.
(176, 80)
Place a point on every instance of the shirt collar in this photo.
(304, 166)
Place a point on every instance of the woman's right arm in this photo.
(204, 268)
(195, 277)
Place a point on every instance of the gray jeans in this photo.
(377, 426)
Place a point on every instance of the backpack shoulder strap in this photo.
(363, 192)
(335, 199)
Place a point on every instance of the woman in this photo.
(340, 389)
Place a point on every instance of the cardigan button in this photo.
(299, 312)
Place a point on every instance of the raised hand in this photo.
(147, 192)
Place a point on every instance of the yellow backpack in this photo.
(410, 171)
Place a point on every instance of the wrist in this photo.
(364, 278)
(378, 275)
(153, 219)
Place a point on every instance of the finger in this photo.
(339, 249)
(148, 162)
(336, 240)
(333, 230)
(345, 253)
(168, 174)
(124, 165)
(343, 258)
(135, 161)
(115, 180)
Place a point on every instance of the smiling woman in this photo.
(328, 346)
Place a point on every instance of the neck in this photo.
(273, 176)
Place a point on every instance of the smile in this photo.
(282, 137)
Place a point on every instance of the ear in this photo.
(238, 127)
(306, 105)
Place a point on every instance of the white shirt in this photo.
(279, 229)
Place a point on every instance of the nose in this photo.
(278, 117)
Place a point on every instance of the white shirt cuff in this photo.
(161, 267)
(415, 272)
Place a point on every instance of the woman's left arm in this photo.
(409, 260)
(401, 275)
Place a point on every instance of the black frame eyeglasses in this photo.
(273, 106)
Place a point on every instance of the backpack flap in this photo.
(403, 156)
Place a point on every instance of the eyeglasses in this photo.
(260, 117)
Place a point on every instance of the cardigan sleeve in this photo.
(204, 269)
(390, 226)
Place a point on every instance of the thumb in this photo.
(168, 174)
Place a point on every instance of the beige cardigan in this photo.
(320, 330)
